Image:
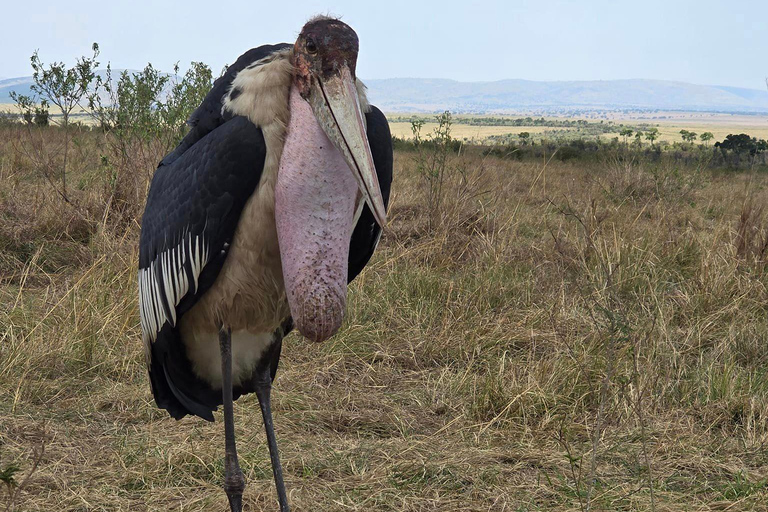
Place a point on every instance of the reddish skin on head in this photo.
(323, 47)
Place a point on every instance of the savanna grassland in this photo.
(489, 129)
(533, 335)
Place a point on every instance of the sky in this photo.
(702, 41)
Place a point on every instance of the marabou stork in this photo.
(256, 222)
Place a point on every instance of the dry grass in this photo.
(567, 338)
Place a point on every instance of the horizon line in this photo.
(489, 81)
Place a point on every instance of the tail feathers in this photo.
(191, 406)
(175, 386)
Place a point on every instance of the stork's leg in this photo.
(263, 385)
(234, 482)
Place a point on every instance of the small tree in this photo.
(26, 106)
(741, 145)
(524, 138)
(144, 115)
(42, 115)
(133, 102)
(626, 133)
(64, 87)
(431, 161)
(706, 137)
(652, 135)
(150, 104)
(688, 136)
(639, 138)
(56, 84)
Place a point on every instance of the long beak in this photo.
(337, 108)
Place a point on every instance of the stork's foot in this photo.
(234, 485)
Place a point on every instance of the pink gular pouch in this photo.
(315, 201)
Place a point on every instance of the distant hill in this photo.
(430, 95)
(19, 85)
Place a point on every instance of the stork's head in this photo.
(323, 49)
(326, 171)
(325, 60)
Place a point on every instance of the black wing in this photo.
(193, 208)
(367, 232)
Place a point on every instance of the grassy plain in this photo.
(568, 336)
(668, 123)
(476, 134)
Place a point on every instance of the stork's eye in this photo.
(311, 46)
